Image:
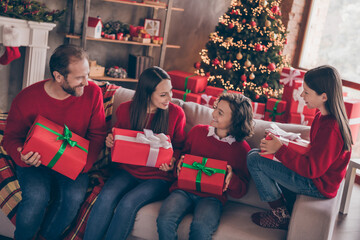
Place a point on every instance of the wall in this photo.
(189, 29)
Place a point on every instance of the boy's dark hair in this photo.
(63, 56)
(242, 125)
(148, 81)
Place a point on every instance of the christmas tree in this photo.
(245, 51)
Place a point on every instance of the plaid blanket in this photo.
(10, 192)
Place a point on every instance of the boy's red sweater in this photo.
(175, 131)
(326, 161)
(199, 144)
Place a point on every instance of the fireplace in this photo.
(33, 36)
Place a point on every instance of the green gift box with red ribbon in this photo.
(202, 174)
(275, 110)
(60, 149)
(188, 81)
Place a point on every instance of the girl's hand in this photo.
(164, 167)
(179, 165)
(270, 146)
(228, 177)
(31, 158)
(109, 141)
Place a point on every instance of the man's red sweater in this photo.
(83, 115)
(175, 131)
(326, 161)
(199, 144)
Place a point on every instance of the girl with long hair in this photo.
(130, 187)
(319, 172)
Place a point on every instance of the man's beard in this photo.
(71, 90)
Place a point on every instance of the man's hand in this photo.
(164, 167)
(109, 141)
(31, 158)
(228, 177)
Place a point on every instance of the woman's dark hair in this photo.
(148, 81)
(326, 79)
(63, 56)
(242, 124)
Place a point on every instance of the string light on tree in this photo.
(244, 52)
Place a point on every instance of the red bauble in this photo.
(207, 74)
(216, 62)
(259, 47)
(243, 78)
(231, 26)
(280, 52)
(257, 97)
(275, 9)
(253, 23)
(244, 84)
(228, 65)
(197, 65)
(285, 40)
(271, 66)
(265, 85)
(243, 21)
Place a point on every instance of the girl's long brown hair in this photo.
(326, 79)
(148, 81)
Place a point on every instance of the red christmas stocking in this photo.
(10, 54)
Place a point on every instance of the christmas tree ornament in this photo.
(267, 23)
(228, 65)
(239, 29)
(244, 20)
(257, 97)
(216, 62)
(207, 74)
(265, 85)
(239, 56)
(244, 84)
(275, 9)
(253, 23)
(263, 3)
(258, 47)
(243, 78)
(197, 65)
(252, 76)
(271, 66)
(231, 26)
(247, 63)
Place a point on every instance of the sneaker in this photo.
(277, 218)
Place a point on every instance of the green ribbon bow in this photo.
(186, 81)
(202, 169)
(187, 91)
(66, 138)
(274, 113)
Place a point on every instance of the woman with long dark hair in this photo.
(131, 187)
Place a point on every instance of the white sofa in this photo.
(311, 218)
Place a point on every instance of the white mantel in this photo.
(34, 36)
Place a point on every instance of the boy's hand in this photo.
(109, 141)
(164, 167)
(179, 165)
(270, 145)
(228, 177)
(30, 158)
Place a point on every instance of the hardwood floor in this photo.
(347, 227)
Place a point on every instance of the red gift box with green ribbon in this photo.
(275, 110)
(141, 148)
(183, 80)
(186, 96)
(202, 174)
(60, 149)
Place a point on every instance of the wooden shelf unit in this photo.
(143, 5)
(111, 79)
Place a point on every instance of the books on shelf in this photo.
(137, 64)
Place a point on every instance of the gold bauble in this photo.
(252, 76)
(239, 29)
(247, 63)
(239, 56)
(263, 3)
(267, 23)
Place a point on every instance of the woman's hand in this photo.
(164, 167)
(109, 141)
(228, 177)
(270, 145)
(179, 165)
(31, 158)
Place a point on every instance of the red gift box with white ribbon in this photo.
(289, 75)
(141, 148)
(300, 118)
(207, 100)
(258, 110)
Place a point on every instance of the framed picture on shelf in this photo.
(152, 27)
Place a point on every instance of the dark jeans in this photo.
(36, 186)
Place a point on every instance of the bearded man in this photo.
(68, 98)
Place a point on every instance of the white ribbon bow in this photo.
(276, 130)
(297, 98)
(255, 113)
(155, 141)
(206, 99)
(289, 78)
(303, 121)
